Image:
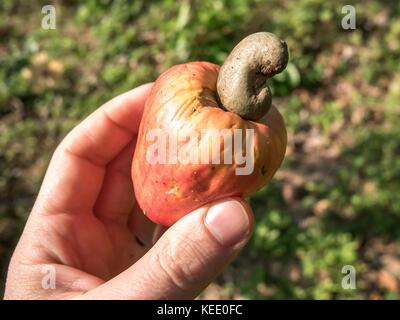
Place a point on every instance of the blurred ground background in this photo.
(336, 200)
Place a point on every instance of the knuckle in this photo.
(181, 261)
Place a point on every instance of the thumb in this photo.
(187, 257)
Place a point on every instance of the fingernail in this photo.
(228, 222)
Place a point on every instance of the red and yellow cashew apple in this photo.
(195, 99)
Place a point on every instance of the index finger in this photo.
(75, 175)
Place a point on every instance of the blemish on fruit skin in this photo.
(173, 190)
(263, 170)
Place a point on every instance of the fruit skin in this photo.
(185, 98)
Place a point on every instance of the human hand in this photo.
(87, 226)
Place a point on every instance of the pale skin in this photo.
(86, 223)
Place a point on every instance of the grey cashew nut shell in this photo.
(242, 80)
